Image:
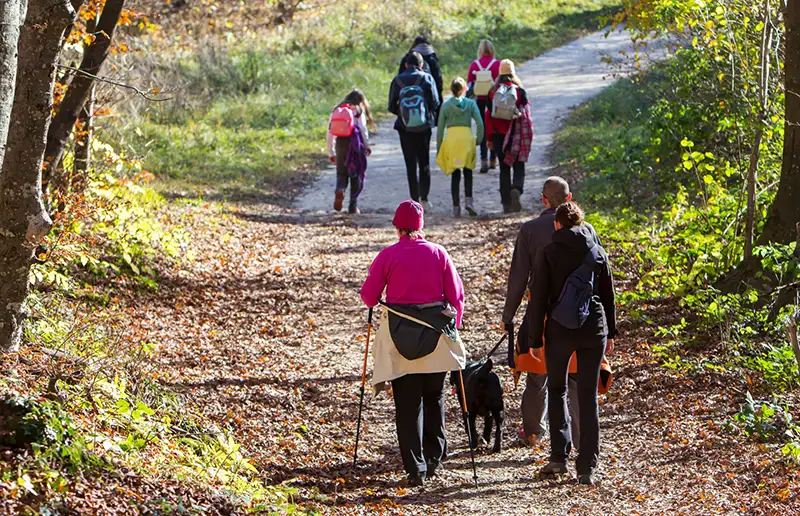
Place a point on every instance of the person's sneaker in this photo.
(353, 209)
(552, 469)
(338, 200)
(413, 480)
(585, 479)
(506, 208)
(493, 164)
(426, 205)
(468, 205)
(434, 469)
(484, 167)
(516, 205)
(456, 211)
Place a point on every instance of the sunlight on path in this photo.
(556, 81)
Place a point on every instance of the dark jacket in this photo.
(411, 77)
(431, 64)
(533, 236)
(557, 261)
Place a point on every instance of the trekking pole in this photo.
(363, 382)
(467, 426)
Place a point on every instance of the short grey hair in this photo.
(556, 190)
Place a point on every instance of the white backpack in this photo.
(504, 105)
(483, 79)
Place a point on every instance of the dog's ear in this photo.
(485, 369)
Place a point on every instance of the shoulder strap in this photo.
(491, 63)
(478, 64)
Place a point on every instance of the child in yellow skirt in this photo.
(455, 143)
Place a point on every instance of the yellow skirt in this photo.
(457, 151)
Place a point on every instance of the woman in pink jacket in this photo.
(420, 281)
(483, 72)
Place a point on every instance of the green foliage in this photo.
(763, 420)
(258, 108)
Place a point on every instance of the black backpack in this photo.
(572, 308)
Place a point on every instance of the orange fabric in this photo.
(529, 363)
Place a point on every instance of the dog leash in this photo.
(489, 355)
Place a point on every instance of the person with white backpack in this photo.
(483, 72)
(348, 147)
(509, 132)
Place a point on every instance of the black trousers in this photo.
(557, 354)
(342, 176)
(482, 105)
(419, 406)
(417, 154)
(506, 182)
(455, 185)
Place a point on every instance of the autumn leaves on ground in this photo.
(194, 341)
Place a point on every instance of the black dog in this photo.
(484, 394)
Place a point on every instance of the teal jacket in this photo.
(458, 112)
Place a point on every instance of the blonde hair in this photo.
(485, 48)
(458, 86)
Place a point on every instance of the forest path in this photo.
(556, 81)
(264, 330)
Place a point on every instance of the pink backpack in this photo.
(343, 121)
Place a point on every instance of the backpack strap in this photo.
(478, 64)
(491, 63)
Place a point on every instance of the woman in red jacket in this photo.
(508, 103)
(482, 74)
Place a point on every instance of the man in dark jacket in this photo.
(415, 144)
(430, 62)
(533, 236)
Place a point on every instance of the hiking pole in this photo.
(363, 381)
(467, 426)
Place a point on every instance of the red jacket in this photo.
(499, 126)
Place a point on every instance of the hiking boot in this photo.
(493, 164)
(484, 167)
(456, 211)
(585, 479)
(426, 205)
(435, 468)
(552, 469)
(353, 209)
(506, 208)
(338, 200)
(468, 205)
(516, 205)
(413, 480)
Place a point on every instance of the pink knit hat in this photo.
(408, 216)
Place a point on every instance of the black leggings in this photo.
(506, 182)
(483, 103)
(455, 185)
(417, 154)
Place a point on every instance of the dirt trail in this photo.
(264, 331)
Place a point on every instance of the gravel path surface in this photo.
(556, 81)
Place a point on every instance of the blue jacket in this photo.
(411, 77)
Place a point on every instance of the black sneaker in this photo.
(585, 479)
(484, 167)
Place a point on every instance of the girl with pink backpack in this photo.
(348, 147)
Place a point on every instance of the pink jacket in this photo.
(484, 61)
(414, 272)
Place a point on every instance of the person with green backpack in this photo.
(483, 72)
(415, 101)
(455, 143)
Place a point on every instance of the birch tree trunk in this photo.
(24, 222)
(12, 14)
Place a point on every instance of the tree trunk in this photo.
(785, 210)
(12, 14)
(81, 84)
(83, 143)
(23, 219)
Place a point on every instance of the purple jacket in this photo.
(414, 272)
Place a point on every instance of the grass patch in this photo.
(252, 112)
